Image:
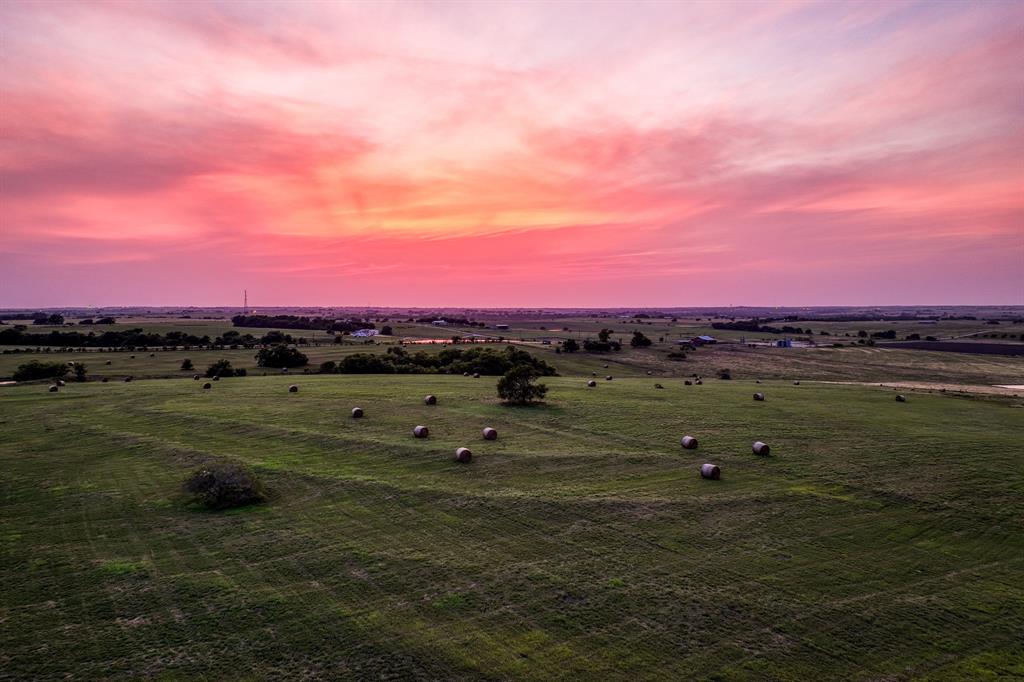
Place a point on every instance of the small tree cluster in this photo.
(281, 356)
(35, 369)
(223, 368)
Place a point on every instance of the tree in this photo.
(570, 345)
(186, 364)
(281, 356)
(386, 330)
(517, 386)
(639, 340)
(79, 371)
(604, 335)
(40, 370)
(328, 367)
(221, 368)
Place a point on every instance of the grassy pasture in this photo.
(881, 540)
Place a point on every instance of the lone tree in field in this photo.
(570, 345)
(639, 340)
(79, 371)
(281, 356)
(517, 386)
(221, 368)
(187, 365)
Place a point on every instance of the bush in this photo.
(40, 370)
(725, 374)
(186, 364)
(224, 484)
(281, 356)
(386, 330)
(80, 371)
(639, 340)
(570, 345)
(221, 368)
(516, 387)
(328, 367)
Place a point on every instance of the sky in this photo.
(556, 154)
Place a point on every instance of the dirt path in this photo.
(1011, 390)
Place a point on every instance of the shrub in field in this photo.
(224, 484)
(187, 365)
(221, 368)
(517, 386)
(79, 371)
(328, 367)
(639, 340)
(40, 370)
(725, 374)
(281, 356)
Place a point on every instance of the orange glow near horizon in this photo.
(511, 154)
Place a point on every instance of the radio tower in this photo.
(245, 301)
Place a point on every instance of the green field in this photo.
(880, 541)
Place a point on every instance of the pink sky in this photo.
(511, 154)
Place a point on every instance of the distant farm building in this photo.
(440, 323)
(784, 343)
(703, 339)
(501, 327)
(365, 332)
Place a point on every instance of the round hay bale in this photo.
(591, 383)
(71, 363)
(649, 372)
(710, 472)
(430, 400)
(760, 448)
(152, 355)
(699, 382)
(127, 379)
(216, 377)
(108, 362)
(757, 381)
(606, 366)
(284, 370)
(796, 383)
(901, 399)
(608, 378)
(54, 388)
(421, 431)
(476, 375)
(465, 374)
(132, 357)
(357, 412)
(593, 374)
(759, 396)
(687, 383)
(197, 377)
(60, 382)
(291, 389)
(207, 386)
(490, 434)
(463, 455)
(104, 380)
(658, 386)
(689, 442)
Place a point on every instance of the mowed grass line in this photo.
(580, 544)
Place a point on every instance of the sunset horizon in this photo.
(499, 154)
